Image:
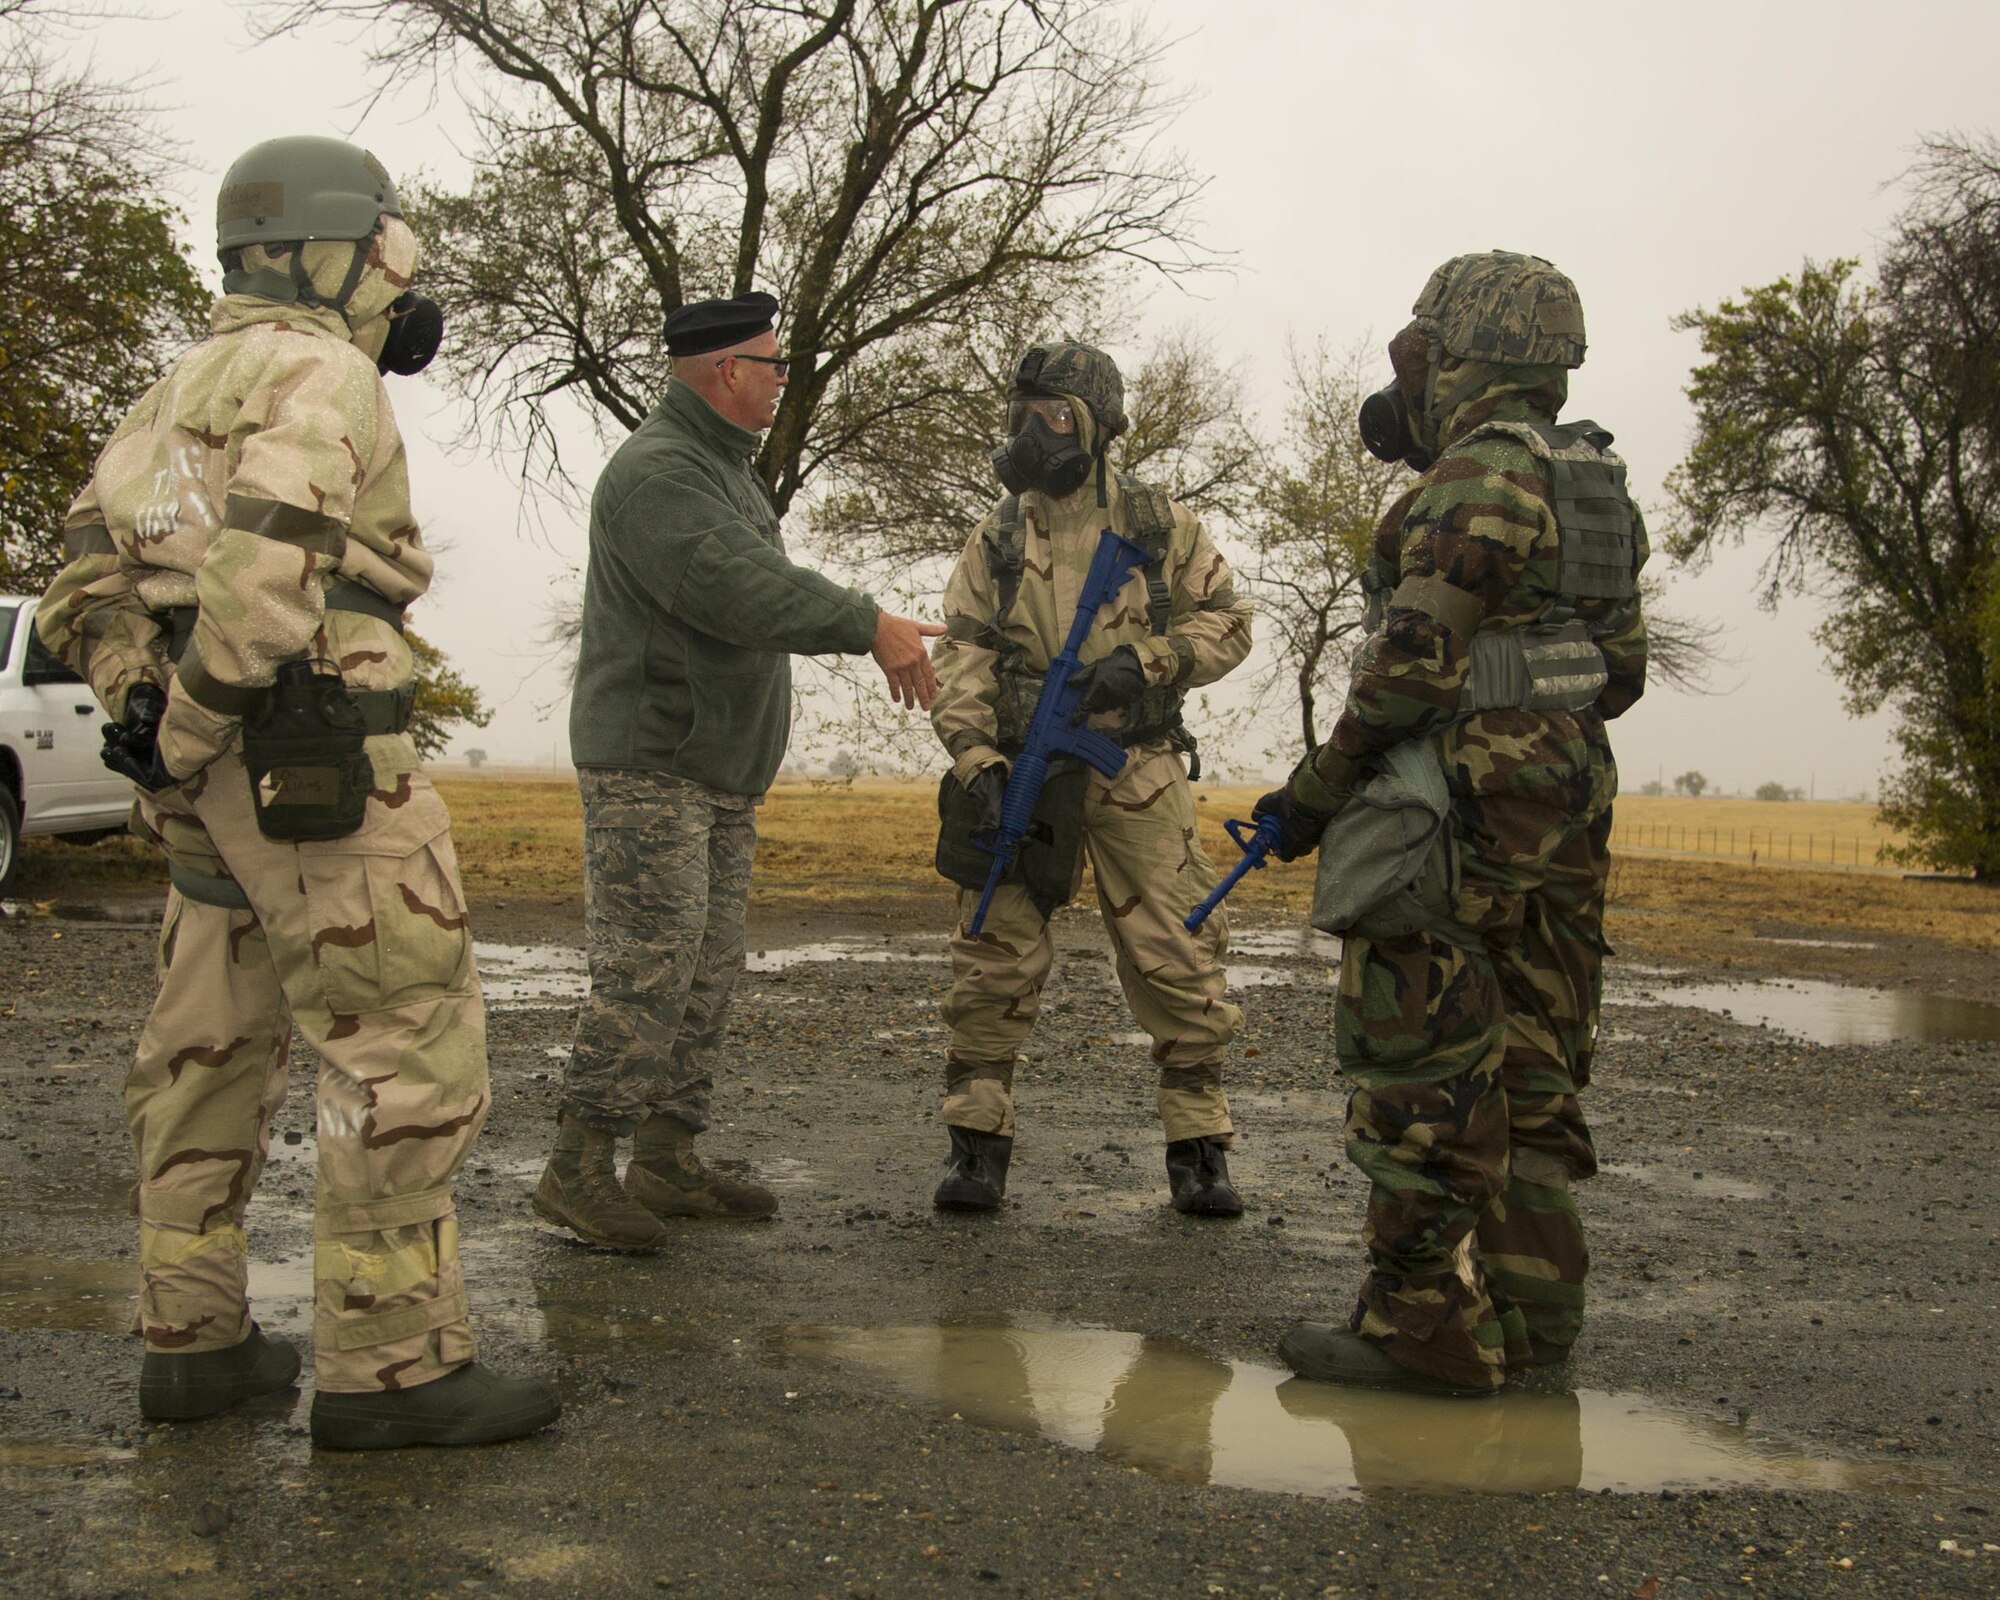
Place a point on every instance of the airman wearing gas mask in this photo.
(239, 565)
(1504, 630)
(1179, 623)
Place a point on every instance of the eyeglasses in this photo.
(780, 365)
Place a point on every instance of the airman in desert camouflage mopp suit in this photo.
(246, 535)
(1505, 629)
(1177, 623)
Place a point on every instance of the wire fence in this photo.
(1755, 845)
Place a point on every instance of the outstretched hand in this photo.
(899, 651)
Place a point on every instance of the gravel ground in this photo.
(1795, 1253)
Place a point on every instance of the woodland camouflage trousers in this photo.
(1150, 869)
(1467, 1054)
(363, 943)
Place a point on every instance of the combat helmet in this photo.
(1508, 309)
(1080, 370)
(292, 190)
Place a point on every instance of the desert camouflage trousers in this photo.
(362, 942)
(1467, 1053)
(1150, 869)
(666, 882)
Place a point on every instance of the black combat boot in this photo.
(1327, 1354)
(975, 1178)
(1198, 1176)
(580, 1191)
(670, 1180)
(179, 1388)
(470, 1405)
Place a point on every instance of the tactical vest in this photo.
(1149, 523)
(1553, 663)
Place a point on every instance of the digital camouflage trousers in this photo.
(1467, 1050)
(666, 875)
(362, 942)
(1150, 869)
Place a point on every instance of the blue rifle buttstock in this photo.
(1262, 840)
(1050, 733)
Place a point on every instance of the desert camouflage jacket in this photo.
(265, 464)
(1207, 635)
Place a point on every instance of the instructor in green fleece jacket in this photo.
(683, 705)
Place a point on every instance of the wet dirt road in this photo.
(1786, 1385)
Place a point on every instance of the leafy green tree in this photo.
(443, 700)
(1856, 424)
(1691, 783)
(1777, 791)
(95, 289)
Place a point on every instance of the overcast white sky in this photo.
(1664, 156)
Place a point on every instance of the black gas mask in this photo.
(1385, 429)
(416, 329)
(1044, 448)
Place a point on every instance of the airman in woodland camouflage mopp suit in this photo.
(1505, 629)
(1178, 623)
(250, 515)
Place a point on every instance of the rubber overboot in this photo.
(1541, 1353)
(1198, 1177)
(471, 1405)
(975, 1175)
(580, 1191)
(670, 1180)
(1338, 1355)
(179, 1388)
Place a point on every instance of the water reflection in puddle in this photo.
(1189, 1418)
(1831, 1013)
(1821, 944)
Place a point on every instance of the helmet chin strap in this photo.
(302, 280)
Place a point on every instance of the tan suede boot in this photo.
(670, 1180)
(580, 1191)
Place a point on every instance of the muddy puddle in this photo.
(531, 974)
(1832, 1013)
(1178, 1414)
(861, 950)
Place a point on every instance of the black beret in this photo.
(704, 325)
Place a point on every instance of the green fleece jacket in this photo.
(691, 611)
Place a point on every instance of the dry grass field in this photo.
(865, 847)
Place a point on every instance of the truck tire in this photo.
(10, 837)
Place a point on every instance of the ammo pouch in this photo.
(1388, 862)
(310, 775)
(1046, 863)
(1544, 666)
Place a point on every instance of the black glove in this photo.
(1299, 826)
(132, 747)
(1111, 684)
(989, 789)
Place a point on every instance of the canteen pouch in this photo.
(310, 775)
(1388, 861)
(1047, 863)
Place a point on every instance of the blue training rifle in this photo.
(1051, 733)
(1262, 841)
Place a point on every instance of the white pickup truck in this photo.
(51, 780)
